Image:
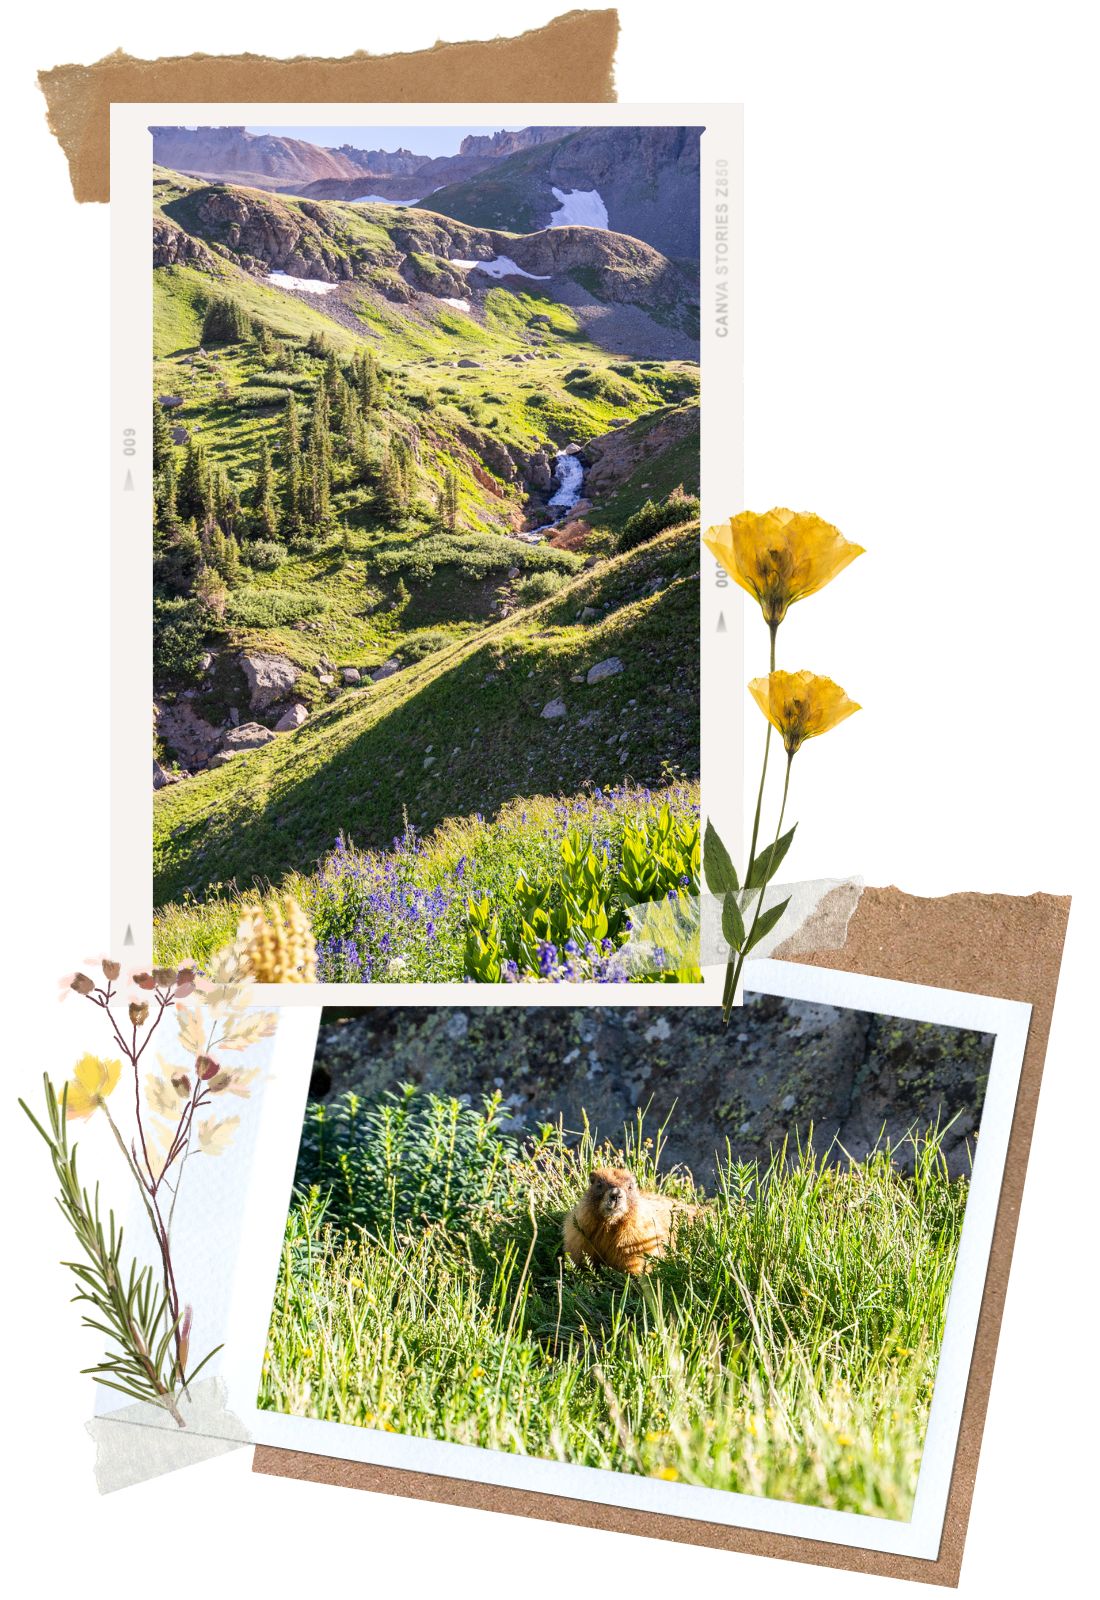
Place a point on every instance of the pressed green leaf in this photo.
(768, 862)
(718, 867)
(733, 926)
(766, 921)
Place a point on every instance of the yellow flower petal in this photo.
(92, 1081)
(780, 556)
(801, 705)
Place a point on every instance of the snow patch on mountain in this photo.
(283, 280)
(501, 267)
(579, 208)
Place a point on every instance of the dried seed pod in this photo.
(207, 1067)
(82, 985)
(139, 1013)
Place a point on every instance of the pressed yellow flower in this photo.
(800, 705)
(91, 1083)
(780, 556)
(669, 1474)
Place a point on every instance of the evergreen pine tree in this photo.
(163, 453)
(232, 570)
(292, 471)
(264, 512)
(193, 492)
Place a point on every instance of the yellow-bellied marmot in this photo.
(619, 1224)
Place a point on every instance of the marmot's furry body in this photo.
(620, 1225)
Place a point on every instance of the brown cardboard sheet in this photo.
(570, 59)
(999, 945)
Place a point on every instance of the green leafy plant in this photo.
(407, 1160)
(582, 907)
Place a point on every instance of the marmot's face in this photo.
(612, 1192)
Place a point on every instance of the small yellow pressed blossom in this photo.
(780, 556)
(91, 1083)
(800, 705)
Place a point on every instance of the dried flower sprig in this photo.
(275, 943)
(779, 557)
(147, 1320)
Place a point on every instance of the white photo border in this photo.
(264, 1210)
(721, 363)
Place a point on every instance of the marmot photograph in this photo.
(628, 1238)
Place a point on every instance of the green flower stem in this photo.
(773, 629)
(730, 985)
(733, 970)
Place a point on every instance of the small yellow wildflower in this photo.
(90, 1084)
(801, 705)
(844, 1438)
(669, 1474)
(780, 556)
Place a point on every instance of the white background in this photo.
(921, 369)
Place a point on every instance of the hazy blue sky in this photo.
(422, 141)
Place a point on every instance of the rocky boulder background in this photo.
(780, 1068)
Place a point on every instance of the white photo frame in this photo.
(722, 428)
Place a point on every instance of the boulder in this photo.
(270, 678)
(292, 718)
(386, 670)
(589, 614)
(222, 758)
(249, 736)
(780, 1067)
(190, 738)
(468, 361)
(326, 678)
(351, 675)
(552, 709)
(162, 776)
(540, 473)
(604, 669)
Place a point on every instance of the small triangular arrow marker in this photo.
(129, 939)
(721, 623)
(129, 484)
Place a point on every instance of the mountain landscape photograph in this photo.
(426, 547)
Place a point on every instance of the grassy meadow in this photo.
(785, 1347)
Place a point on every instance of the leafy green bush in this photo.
(539, 586)
(477, 555)
(180, 627)
(421, 645)
(655, 516)
(264, 554)
(253, 607)
(674, 385)
(260, 397)
(410, 1159)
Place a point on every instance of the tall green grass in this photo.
(786, 1347)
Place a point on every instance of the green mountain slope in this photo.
(462, 731)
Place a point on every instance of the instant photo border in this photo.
(390, 1462)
